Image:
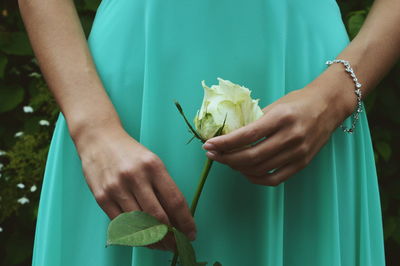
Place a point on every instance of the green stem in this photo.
(203, 177)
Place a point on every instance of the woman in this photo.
(119, 143)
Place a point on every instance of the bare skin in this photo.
(298, 124)
(123, 176)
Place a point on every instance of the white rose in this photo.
(225, 100)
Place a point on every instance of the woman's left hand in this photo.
(296, 126)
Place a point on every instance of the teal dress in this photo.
(150, 53)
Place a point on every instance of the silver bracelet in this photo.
(357, 91)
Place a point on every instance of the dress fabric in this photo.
(150, 53)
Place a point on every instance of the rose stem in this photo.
(203, 177)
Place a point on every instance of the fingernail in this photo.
(209, 146)
(192, 236)
(211, 154)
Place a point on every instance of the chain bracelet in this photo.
(357, 91)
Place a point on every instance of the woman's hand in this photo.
(296, 126)
(124, 176)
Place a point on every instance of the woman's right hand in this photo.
(123, 176)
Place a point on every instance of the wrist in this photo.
(337, 88)
(85, 130)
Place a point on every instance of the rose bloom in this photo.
(225, 100)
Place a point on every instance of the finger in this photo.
(150, 204)
(127, 201)
(159, 245)
(249, 156)
(110, 207)
(275, 162)
(167, 243)
(113, 209)
(254, 155)
(164, 244)
(176, 205)
(263, 127)
(278, 176)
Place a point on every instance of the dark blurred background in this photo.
(28, 113)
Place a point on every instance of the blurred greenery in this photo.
(27, 113)
(26, 106)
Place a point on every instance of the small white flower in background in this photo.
(19, 134)
(28, 109)
(228, 100)
(33, 188)
(20, 185)
(2, 153)
(35, 75)
(23, 200)
(1, 166)
(1, 229)
(44, 123)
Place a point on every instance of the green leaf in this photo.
(92, 5)
(31, 125)
(385, 202)
(384, 150)
(86, 22)
(10, 97)
(17, 249)
(396, 234)
(389, 227)
(376, 157)
(201, 263)
(3, 63)
(370, 101)
(15, 43)
(355, 21)
(219, 131)
(185, 249)
(136, 228)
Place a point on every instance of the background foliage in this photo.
(28, 113)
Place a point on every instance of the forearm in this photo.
(376, 48)
(371, 54)
(61, 49)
